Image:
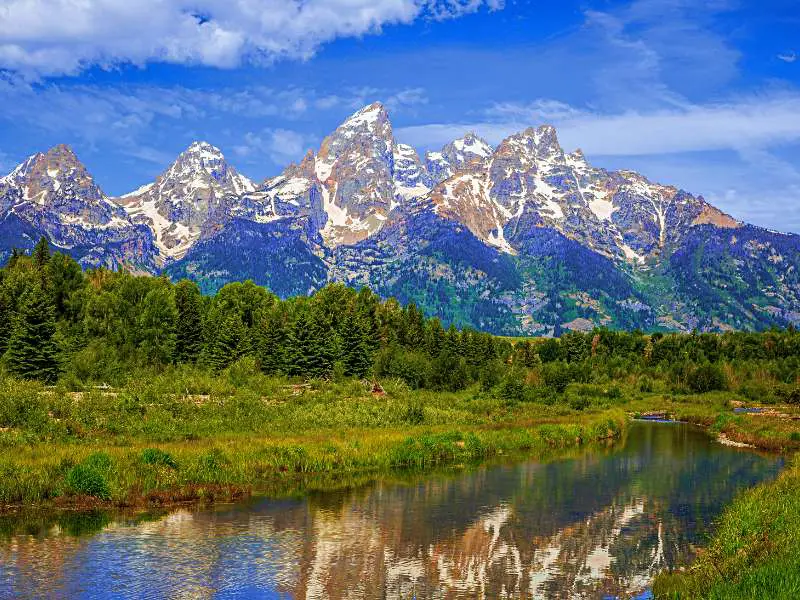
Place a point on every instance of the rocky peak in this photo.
(355, 167)
(44, 177)
(411, 179)
(457, 156)
(191, 197)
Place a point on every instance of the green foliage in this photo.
(32, 351)
(91, 476)
(156, 457)
(557, 376)
(707, 377)
(189, 321)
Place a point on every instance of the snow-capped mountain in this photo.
(521, 238)
(52, 194)
(192, 198)
(456, 156)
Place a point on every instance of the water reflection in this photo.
(598, 525)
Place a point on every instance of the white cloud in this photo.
(280, 145)
(130, 116)
(788, 57)
(757, 121)
(54, 37)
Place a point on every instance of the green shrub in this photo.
(88, 478)
(414, 414)
(707, 377)
(513, 387)
(793, 397)
(579, 403)
(557, 376)
(156, 457)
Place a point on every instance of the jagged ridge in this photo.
(519, 238)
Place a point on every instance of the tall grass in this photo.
(754, 552)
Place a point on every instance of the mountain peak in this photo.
(62, 151)
(204, 151)
(370, 115)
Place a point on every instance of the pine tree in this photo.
(189, 328)
(310, 346)
(272, 341)
(229, 343)
(6, 316)
(64, 277)
(435, 337)
(356, 346)
(414, 327)
(41, 254)
(32, 350)
(157, 325)
(14, 258)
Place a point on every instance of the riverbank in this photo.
(755, 552)
(147, 447)
(138, 447)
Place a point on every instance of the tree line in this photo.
(57, 321)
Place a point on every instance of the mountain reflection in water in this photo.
(594, 526)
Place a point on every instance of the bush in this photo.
(556, 376)
(793, 397)
(22, 405)
(90, 476)
(156, 457)
(490, 375)
(412, 367)
(579, 403)
(513, 387)
(449, 373)
(706, 378)
(414, 414)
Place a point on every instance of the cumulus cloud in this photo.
(55, 37)
(788, 57)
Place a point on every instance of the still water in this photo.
(596, 525)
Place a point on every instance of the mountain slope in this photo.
(52, 194)
(523, 238)
(188, 201)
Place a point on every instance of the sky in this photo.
(701, 95)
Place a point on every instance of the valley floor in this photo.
(146, 446)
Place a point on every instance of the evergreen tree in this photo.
(356, 346)
(435, 337)
(310, 346)
(272, 341)
(157, 325)
(414, 327)
(6, 316)
(189, 327)
(228, 345)
(41, 253)
(32, 350)
(14, 258)
(64, 277)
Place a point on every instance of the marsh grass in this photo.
(182, 436)
(754, 551)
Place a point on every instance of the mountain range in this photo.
(521, 239)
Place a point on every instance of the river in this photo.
(598, 524)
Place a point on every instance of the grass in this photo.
(180, 438)
(184, 436)
(754, 553)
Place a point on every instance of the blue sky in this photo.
(702, 95)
